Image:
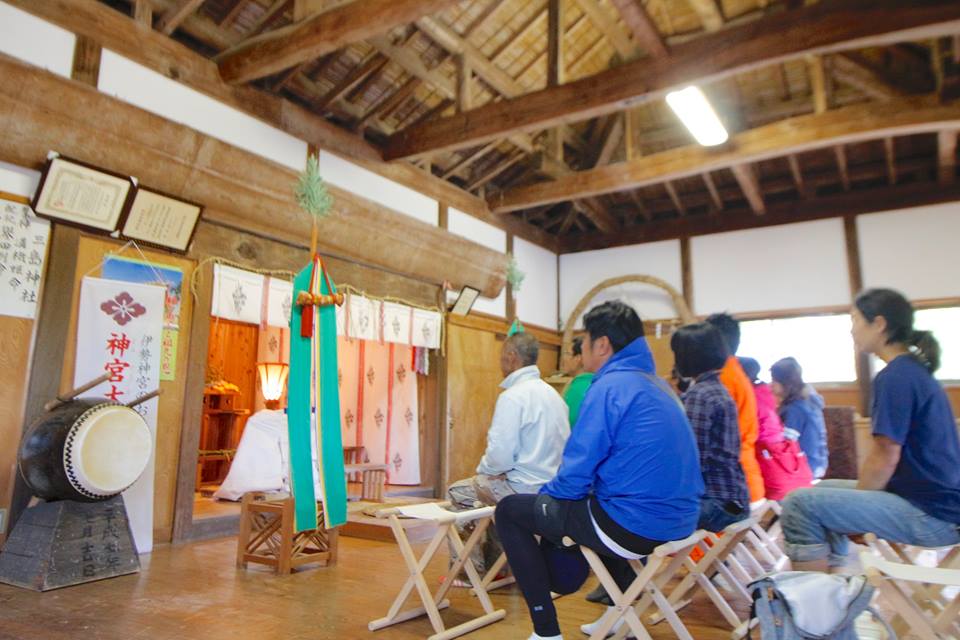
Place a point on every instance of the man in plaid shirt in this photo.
(700, 354)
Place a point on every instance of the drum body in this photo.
(87, 449)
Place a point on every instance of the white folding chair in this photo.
(716, 557)
(934, 619)
(660, 567)
(764, 541)
(446, 522)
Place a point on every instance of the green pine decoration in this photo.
(514, 275)
(311, 191)
(516, 327)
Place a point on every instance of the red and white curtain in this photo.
(378, 405)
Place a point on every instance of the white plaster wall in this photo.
(489, 236)
(18, 180)
(158, 94)
(537, 298)
(35, 41)
(790, 266)
(912, 250)
(580, 272)
(367, 184)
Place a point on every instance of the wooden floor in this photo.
(194, 591)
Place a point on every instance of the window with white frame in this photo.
(944, 322)
(821, 344)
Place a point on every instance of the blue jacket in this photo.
(634, 451)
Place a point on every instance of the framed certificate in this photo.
(161, 220)
(82, 195)
(465, 300)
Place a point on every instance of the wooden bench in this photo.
(267, 536)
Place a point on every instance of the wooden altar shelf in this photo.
(373, 478)
(267, 536)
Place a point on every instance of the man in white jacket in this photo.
(525, 442)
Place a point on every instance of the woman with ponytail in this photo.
(909, 485)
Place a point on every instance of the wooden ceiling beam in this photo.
(494, 171)
(320, 34)
(387, 105)
(708, 12)
(484, 19)
(612, 31)
(143, 13)
(354, 77)
(947, 157)
(162, 54)
(599, 215)
(864, 79)
(174, 17)
(853, 203)
(818, 83)
(746, 177)
(675, 198)
(890, 156)
(645, 32)
(275, 9)
(797, 173)
(469, 159)
(841, 155)
(840, 126)
(822, 28)
(712, 189)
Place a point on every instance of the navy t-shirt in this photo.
(911, 408)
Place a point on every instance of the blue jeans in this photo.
(716, 515)
(816, 521)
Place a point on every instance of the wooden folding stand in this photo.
(660, 567)
(267, 536)
(446, 522)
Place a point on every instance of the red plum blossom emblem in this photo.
(123, 308)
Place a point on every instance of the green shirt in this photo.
(574, 394)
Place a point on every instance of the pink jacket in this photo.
(771, 428)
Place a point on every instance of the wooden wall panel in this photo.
(16, 341)
(473, 385)
(92, 251)
(232, 351)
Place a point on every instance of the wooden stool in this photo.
(374, 478)
(646, 589)
(446, 522)
(267, 536)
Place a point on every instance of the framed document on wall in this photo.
(82, 195)
(161, 220)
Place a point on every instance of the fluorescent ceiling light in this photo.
(695, 112)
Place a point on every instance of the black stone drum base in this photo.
(64, 543)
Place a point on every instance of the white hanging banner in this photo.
(237, 294)
(119, 329)
(23, 248)
(279, 303)
(426, 328)
(361, 318)
(396, 323)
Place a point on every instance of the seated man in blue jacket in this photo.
(628, 481)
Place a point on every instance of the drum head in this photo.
(108, 448)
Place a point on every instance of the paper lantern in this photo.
(273, 376)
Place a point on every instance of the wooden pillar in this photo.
(86, 61)
(443, 217)
(50, 343)
(143, 13)
(193, 405)
(855, 271)
(686, 270)
(555, 69)
(511, 302)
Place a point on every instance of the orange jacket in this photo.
(737, 383)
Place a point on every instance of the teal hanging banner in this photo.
(299, 410)
(313, 390)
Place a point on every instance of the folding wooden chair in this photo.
(764, 540)
(661, 566)
(936, 619)
(716, 555)
(490, 581)
(446, 522)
